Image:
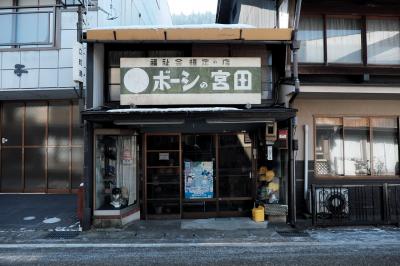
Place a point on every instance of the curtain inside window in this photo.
(385, 146)
(312, 42)
(357, 149)
(344, 40)
(329, 146)
(383, 40)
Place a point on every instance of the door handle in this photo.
(4, 140)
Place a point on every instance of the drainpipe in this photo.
(295, 46)
(305, 161)
(295, 75)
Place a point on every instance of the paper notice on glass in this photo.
(199, 180)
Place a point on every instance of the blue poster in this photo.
(199, 180)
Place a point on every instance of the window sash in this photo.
(375, 40)
(383, 40)
(21, 30)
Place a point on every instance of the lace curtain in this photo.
(312, 42)
(383, 40)
(344, 40)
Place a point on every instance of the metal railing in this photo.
(356, 204)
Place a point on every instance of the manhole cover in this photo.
(293, 233)
(62, 234)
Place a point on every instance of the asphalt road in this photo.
(274, 254)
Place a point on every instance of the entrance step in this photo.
(223, 224)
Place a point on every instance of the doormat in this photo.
(62, 235)
(293, 233)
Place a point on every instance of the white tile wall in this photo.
(9, 79)
(65, 77)
(49, 59)
(30, 59)
(48, 78)
(65, 58)
(69, 20)
(68, 38)
(31, 79)
(10, 59)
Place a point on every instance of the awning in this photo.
(216, 32)
(207, 115)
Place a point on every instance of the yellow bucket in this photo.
(258, 214)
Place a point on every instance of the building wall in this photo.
(50, 68)
(57, 167)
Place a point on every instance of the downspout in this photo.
(305, 162)
(292, 176)
(295, 46)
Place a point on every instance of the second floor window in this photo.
(383, 41)
(26, 26)
(343, 40)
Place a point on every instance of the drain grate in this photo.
(62, 235)
(293, 233)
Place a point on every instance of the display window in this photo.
(116, 171)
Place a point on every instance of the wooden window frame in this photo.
(357, 177)
(364, 65)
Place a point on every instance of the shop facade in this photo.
(183, 128)
(347, 167)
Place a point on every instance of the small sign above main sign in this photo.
(190, 81)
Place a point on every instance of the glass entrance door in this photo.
(199, 176)
(217, 175)
(235, 182)
(163, 176)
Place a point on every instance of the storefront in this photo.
(183, 131)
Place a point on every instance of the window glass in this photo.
(344, 40)
(234, 166)
(27, 26)
(385, 146)
(383, 41)
(33, 28)
(6, 35)
(116, 168)
(329, 146)
(357, 151)
(312, 40)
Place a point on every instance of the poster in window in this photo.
(199, 180)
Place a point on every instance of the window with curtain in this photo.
(356, 146)
(311, 35)
(329, 146)
(343, 40)
(357, 149)
(383, 41)
(385, 160)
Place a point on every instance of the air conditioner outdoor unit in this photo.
(332, 202)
